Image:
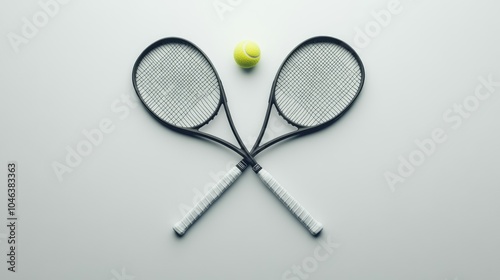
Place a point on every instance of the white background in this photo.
(111, 217)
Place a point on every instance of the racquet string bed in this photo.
(178, 85)
(317, 82)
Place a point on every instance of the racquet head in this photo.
(178, 84)
(317, 82)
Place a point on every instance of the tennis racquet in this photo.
(315, 85)
(180, 87)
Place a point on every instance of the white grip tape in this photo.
(195, 213)
(300, 212)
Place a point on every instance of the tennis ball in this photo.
(247, 54)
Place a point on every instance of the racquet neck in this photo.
(247, 156)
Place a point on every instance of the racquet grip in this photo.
(289, 201)
(195, 213)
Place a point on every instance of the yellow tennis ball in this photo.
(247, 54)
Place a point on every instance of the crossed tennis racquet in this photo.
(317, 82)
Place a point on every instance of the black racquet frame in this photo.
(301, 129)
(194, 131)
